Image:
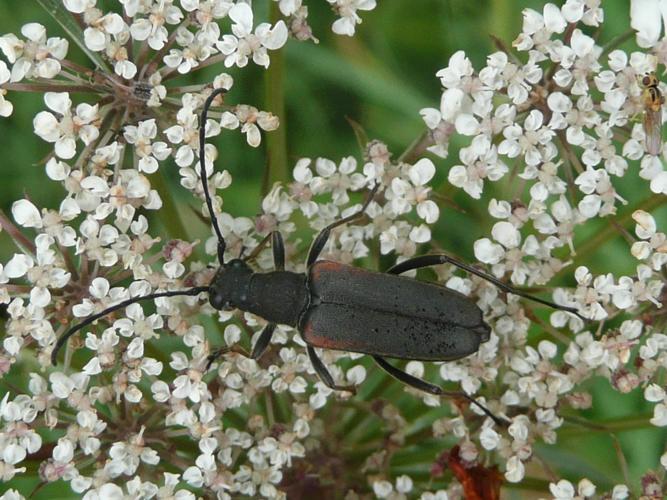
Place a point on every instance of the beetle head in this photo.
(229, 288)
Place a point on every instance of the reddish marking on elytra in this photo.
(316, 340)
(324, 266)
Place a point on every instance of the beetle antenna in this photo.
(435, 259)
(498, 420)
(515, 291)
(91, 319)
(202, 172)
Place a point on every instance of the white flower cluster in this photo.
(562, 117)
(97, 238)
(556, 123)
(346, 24)
(405, 190)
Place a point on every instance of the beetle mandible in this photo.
(341, 307)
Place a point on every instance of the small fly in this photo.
(653, 101)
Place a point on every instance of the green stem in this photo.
(417, 148)
(622, 462)
(21, 241)
(618, 41)
(51, 87)
(169, 214)
(528, 483)
(610, 230)
(68, 22)
(621, 424)
(276, 170)
(503, 20)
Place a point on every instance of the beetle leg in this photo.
(434, 260)
(258, 248)
(210, 359)
(263, 341)
(422, 385)
(323, 237)
(257, 350)
(324, 374)
(278, 247)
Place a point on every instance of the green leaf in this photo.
(56, 9)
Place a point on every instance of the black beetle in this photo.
(341, 307)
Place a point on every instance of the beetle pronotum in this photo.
(341, 307)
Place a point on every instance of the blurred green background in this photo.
(380, 79)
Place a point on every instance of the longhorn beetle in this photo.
(341, 307)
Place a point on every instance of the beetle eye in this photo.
(216, 300)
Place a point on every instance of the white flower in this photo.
(403, 194)
(563, 490)
(440, 129)
(382, 489)
(620, 491)
(13, 454)
(152, 28)
(189, 386)
(18, 265)
(337, 180)
(149, 152)
(98, 35)
(62, 385)
(78, 6)
(347, 10)
(280, 451)
(6, 107)
(659, 418)
(659, 183)
(136, 324)
(65, 129)
(38, 57)
(251, 121)
(489, 438)
(196, 47)
(404, 484)
(127, 456)
(533, 141)
(356, 375)
(458, 73)
(286, 376)
(480, 161)
(107, 491)
(647, 18)
(12, 494)
(26, 214)
(244, 43)
(515, 470)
